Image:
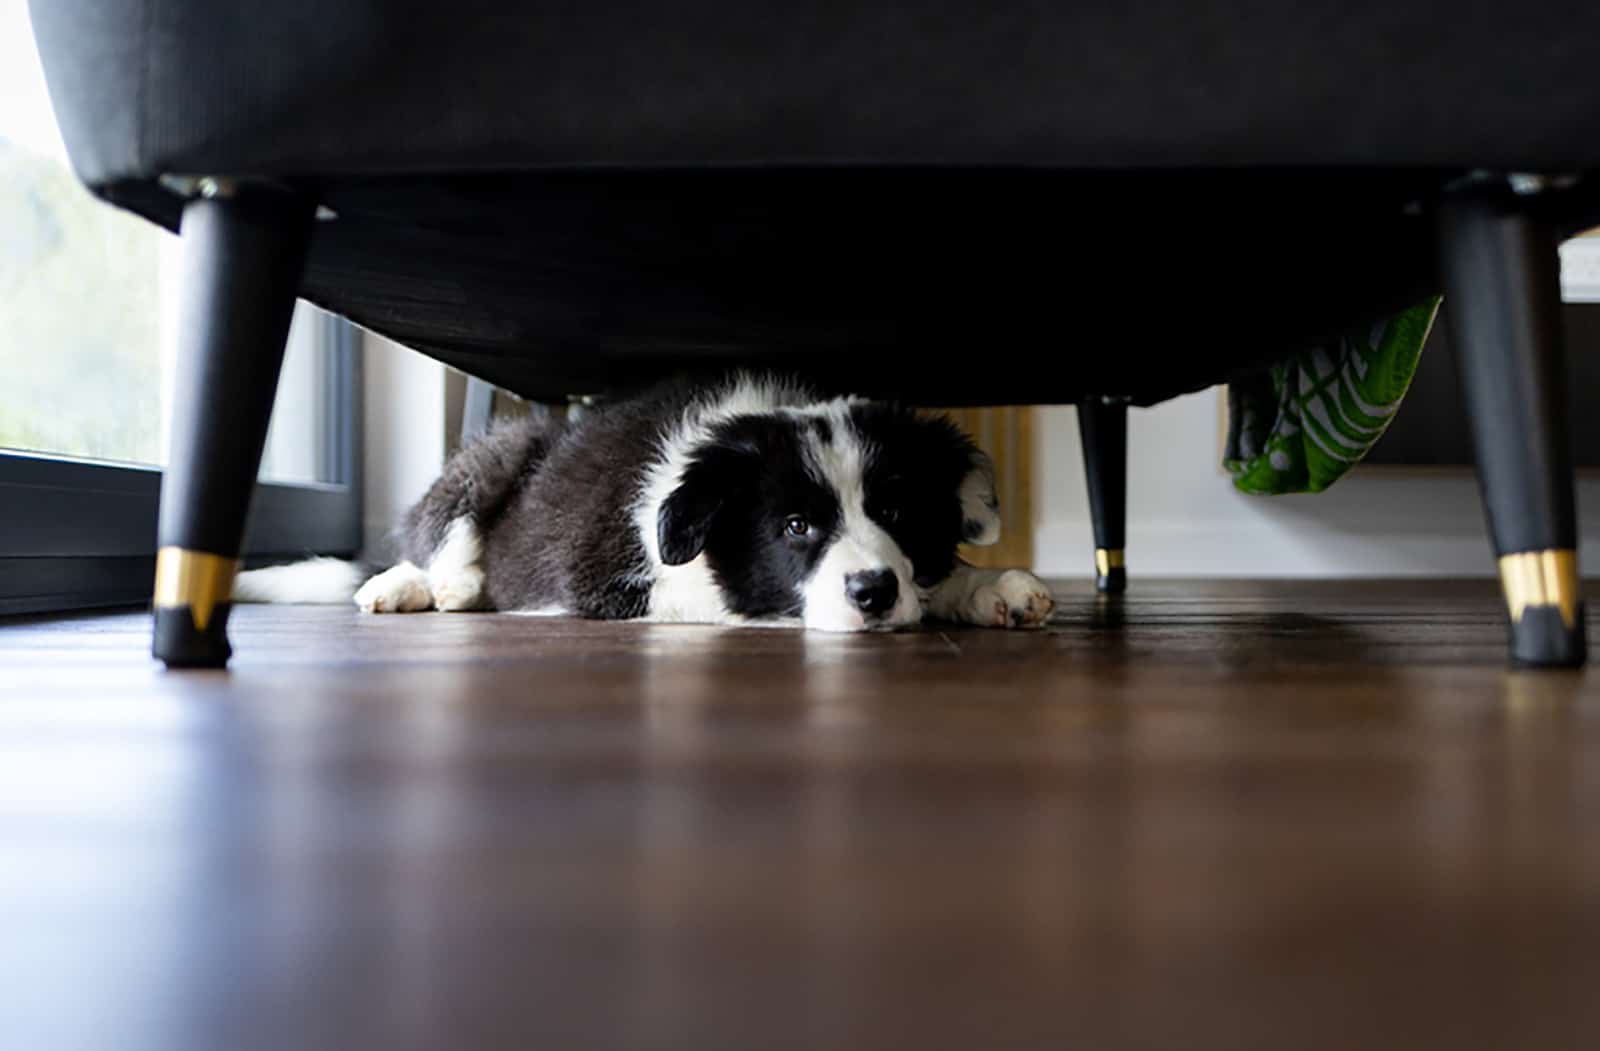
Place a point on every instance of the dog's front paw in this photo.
(1014, 599)
(460, 589)
(401, 589)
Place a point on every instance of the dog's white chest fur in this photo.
(688, 594)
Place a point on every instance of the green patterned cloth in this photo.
(1300, 425)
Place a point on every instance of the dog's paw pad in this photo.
(402, 589)
(1028, 603)
(988, 608)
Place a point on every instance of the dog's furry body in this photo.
(749, 501)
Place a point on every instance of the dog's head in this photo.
(837, 513)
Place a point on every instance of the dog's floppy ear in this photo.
(685, 518)
(980, 509)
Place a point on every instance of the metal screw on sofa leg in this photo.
(212, 187)
(1530, 184)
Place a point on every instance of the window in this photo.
(88, 303)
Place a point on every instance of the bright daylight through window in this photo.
(87, 298)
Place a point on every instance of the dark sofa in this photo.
(882, 195)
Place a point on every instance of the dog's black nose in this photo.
(872, 590)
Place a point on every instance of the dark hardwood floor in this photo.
(1208, 816)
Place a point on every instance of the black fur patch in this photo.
(557, 520)
(569, 538)
(719, 471)
(757, 467)
(914, 468)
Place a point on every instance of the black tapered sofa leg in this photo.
(1103, 429)
(243, 252)
(1502, 289)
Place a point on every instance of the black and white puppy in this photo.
(751, 501)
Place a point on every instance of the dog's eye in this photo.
(888, 514)
(797, 526)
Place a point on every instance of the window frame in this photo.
(76, 534)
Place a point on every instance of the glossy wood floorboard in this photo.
(1208, 816)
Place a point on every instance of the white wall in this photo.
(405, 434)
(1186, 519)
(293, 452)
